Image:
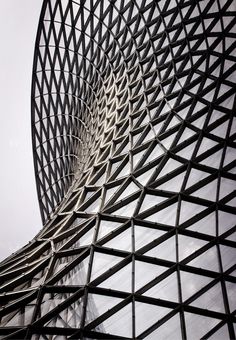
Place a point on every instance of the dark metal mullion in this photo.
(25, 276)
(214, 330)
(154, 243)
(69, 267)
(157, 280)
(118, 231)
(85, 301)
(223, 286)
(108, 273)
(109, 313)
(181, 312)
(133, 279)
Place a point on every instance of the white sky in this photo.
(19, 212)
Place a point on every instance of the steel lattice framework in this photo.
(133, 106)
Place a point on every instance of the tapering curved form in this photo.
(133, 107)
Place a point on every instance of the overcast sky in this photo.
(19, 211)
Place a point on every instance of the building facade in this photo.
(133, 125)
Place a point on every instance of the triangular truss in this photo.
(134, 127)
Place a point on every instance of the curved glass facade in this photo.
(133, 109)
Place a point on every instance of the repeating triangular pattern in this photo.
(134, 126)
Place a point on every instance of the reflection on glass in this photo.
(198, 325)
(168, 331)
(212, 299)
(167, 289)
(101, 263)
(145, 272)
(121, 241)
(207, 260)
(188, 245)
(192, 283)
(99, 304)
(120, 323)
(145, 235)
(146, 315)
(120, 280)
(165, 250)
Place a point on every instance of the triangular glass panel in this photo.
(174, 121)
(69, 317)
(165, 250)
(127, 210)
(228, 256)
(222, 333)
(221, 130)
(151, 200)
(231, 237)
(120, 323)
(230, 287)
(57, 321)
(188, 245)
(198, 325)
(170, 330)
(187, 151)
(164, 216)
(51, 301)
(106, 227)
(149, 136)
(156, 152)
(145, 177)
(94, 206)
(213, 160)
(99, 304)
(208, 260)
(146, 272)
(186, 134)
(130, 189)
(188, 210)
(226, 221)
(125, 171)
(216, 115)
(89, 193)
(76, 276)
(101, 180)
(168, 141)
(136, 137)
(233, 126)
(121, 280)
(207, 225)
(137, 157)
(146, 315)
(195, 176)
(84, 240)
(145, 235)
(103, 262)
(157, 127)
(232, 202)
(20, 317)
(115, 165)
(229, 155)
(212, 299)
(233, 170)
(167, 289)
(226, 187)
(110, 192)
(121, 241)
(199, 122)
(174, 184)
(170, 165)
(62, 262)
(192, 283)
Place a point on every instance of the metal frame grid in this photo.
(133, 106)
